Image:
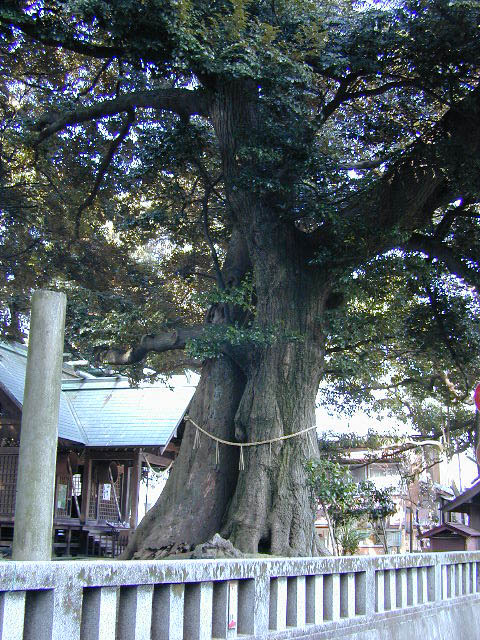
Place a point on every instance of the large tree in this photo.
(278, 157)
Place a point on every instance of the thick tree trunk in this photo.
(267, 506)
(272, 509)
(192, 505)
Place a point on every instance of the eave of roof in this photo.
(463, 500)
(452, 527)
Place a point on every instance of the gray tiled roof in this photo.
(13, 363)
(113, 413)
(102, 412)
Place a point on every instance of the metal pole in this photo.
(34, 503)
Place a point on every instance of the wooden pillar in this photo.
(125, 491)
(135, 488)
(86, 488)
(32, 539)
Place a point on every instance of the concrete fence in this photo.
(404, 597)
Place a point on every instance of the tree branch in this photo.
(206, 231)
(343, 95)
(339, 97)
(184, 102)
(445, 335)
(96, 79)
(383, 88)
(405, 197)
(104, 168)
(35, 30)
(17, 254)
(363, 164)
(158, 343)
(436, 249)
(360, 343)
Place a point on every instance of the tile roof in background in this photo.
(102, 412)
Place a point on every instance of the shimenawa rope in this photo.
(241, 464)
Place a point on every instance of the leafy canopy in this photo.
(126, 211)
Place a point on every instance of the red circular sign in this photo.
(476, 396)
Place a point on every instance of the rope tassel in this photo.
(241, 462)
(311, 444)
(217, 455)
(196, 440)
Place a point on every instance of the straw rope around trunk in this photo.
(229, 443)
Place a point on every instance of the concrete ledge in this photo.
(44, 575)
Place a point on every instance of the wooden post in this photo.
(125, 491)
(34, 503)
(86, 488)
(411, 528)
(135, 488)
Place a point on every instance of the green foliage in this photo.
(349, 537)
(334, 445)
(241, 296)
(346, 502)
(405, 344)
(332, 485)
(216, 338)
(135, 258)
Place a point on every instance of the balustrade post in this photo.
(422, 585)
(225, 609)
(99, 613)
(314, 596)
(331, 596)
(401, 589)
(135, 613)
(435, 583)
(253, 606)
(198, 611)
(370, 591)
(412, 586)
(471, 584)
(167, 611)
(458, 579)
(380, 590)
(296, 601)
(347, 595)
(278, 603)
(67, 612)
(465, 578)
(390, 590)
(12, 614)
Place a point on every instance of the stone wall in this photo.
(404, 597)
